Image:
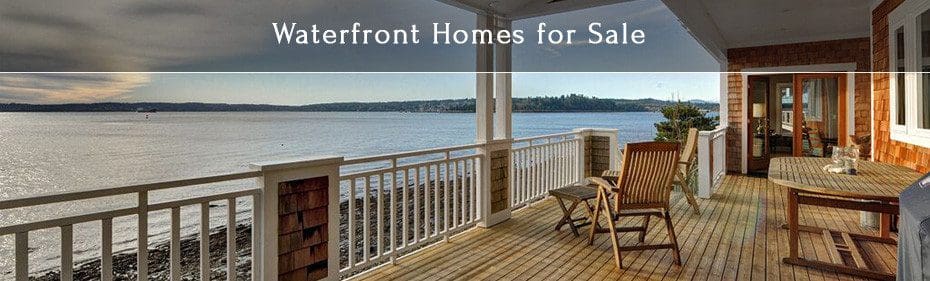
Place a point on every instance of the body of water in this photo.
(58, 152)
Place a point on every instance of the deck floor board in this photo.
(738, 236)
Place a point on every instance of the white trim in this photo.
(849, 68)
(695, 18)
(872, 83)
(798, 39)
(906, 15)
(828, 67)
(874, 5)
(850, 104)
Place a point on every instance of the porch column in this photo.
(484, 91)
(299, 219)
(503, 86)
(494, 167)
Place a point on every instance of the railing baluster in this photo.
(142, 258)
(406, 218)
(205, 240)
(537, 179)
(436, 201)
(524, 178)
(256, 237)
(350, 213)
(462, 202)
(67, 253)
(454, 182)
(380, 213)
(416, 205)
(365, 220)
(231, 240)
(544, 169)
(393, 216)
(445, 198)
(106, 250)
(473, 192)
(426, 204)
(175, 263)
(22, 256)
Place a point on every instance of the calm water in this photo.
(55, 152)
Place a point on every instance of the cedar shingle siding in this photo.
(887, 150)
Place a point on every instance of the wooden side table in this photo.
(576, 194)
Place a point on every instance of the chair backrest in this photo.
(689, 150)
(816, 142)
(646, 176)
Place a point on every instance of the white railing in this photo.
(542, 163)
(389, 205)
(712, 155)
(404, 201)
(142, 210)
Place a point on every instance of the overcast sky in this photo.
(223, 36)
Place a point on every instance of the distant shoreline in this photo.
(568, 104)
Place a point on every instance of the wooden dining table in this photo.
(875, 188)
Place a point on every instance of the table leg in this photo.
(884, 226)
(792, 223)
(567, 216)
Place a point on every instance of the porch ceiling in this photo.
(721, 24)
(521, 9)
(744, 23)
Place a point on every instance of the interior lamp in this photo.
(758, 112)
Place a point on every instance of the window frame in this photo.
(907, 15)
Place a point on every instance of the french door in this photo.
(819, 113)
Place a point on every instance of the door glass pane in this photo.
(820, 112)
(925, 69)
(899, 75)
(759, 89)
(782, 140)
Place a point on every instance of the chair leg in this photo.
(672, 237)
(689, 194)
(595, 217)
(642, 235)
(614, 240)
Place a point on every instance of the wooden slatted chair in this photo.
(686, 164)
(642, 190)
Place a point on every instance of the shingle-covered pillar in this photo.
(495, 188)
(299, 219)
(601, 151)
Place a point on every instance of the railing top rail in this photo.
(549, 136)
(389, 156)
(81, 218)
(52, 198)
(718, 130)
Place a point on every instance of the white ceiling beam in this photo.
(543, 7)
(465, 6)
(696, 20)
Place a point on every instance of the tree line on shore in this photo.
(564, 103)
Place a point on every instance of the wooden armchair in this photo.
(686, 164)
(642, 190)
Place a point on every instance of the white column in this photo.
(275, 173)
(724, 90)
(484, 91)
(503, 86)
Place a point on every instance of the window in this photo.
(899, 76)
(924, 97)
(909, 64)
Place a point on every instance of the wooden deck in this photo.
(738, 236)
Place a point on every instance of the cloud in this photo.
(205, 35)
(133, 35)
(67, 88)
